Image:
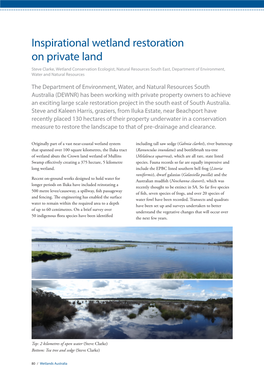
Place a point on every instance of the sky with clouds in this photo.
(169, 234)
(167, 289)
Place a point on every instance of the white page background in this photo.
(230, 39)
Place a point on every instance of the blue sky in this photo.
(170, 289)
(182, 234)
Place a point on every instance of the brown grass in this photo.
(223, 311)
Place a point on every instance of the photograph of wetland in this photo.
(132, 253)
(132, 309)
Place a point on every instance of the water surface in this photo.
(142, 261)
(116, 325)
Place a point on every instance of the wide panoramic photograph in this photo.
(132, 309)
(132, 253)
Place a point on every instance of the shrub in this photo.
(97, 307)
(143, 308)
(172, 314)
(48, 307)
(224, 311)
(208, 312)
(194, 309)
(132, 315)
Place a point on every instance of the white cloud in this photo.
(100, 284)
(53, 284)
(167, 289)
(168, 284)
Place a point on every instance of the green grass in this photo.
(48, 255)
(199, 275)
(102, 249)
(132, 315)
(171, 249)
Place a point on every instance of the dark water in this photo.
(116, 325)
(143, 261)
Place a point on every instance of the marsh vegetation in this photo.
(119, 318)
(48, 255)
(169, 309)
(100, 307)
(102, 249)
(132, 316)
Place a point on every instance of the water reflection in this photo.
(116, 325)
(142, 261)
